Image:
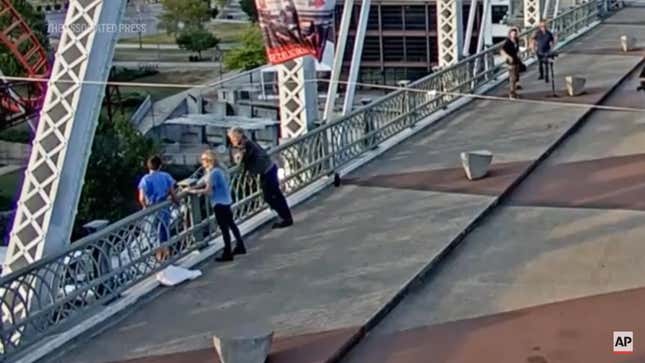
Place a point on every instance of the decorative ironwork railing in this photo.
(59, 291)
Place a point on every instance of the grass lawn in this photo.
(161, 38)
(9, 188)
(227, 33)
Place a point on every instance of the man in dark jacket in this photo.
(510, 51)
(543, 42)
(256, 161)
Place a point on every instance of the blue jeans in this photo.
(163, 225)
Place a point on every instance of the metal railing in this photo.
(59, 291)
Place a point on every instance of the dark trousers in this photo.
(543, 64)
(273, 195)
(224, 217)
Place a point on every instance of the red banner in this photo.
(295, 28)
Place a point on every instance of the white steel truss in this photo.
(339, 56)
(449, 29)
(551, 8)
(298, 97)
(357, 53)
(472, 12)
(62, 144)
(532, 13)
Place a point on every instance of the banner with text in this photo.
(295, 28)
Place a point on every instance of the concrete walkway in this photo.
(353, 248)
(574, 229)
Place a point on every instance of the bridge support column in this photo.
(298, 97)
(63, 141)
(449, 31)
(298, 109)
(531, 13)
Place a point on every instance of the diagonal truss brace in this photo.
(62, 144)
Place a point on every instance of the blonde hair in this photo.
(211, 157)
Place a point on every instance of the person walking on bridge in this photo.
(256, 161)
(218, 189)
(543, 43)
(155, 187)
(510, 51)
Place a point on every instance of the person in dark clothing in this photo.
(543, 42)
(256, 161)
(510, 51)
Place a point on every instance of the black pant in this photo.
(224, 217)
(543, 62)
(273, 195)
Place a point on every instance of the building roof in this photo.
(213, 120)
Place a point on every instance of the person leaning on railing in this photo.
(511, 53)
(256, 161)
(219, 192)
(155, 187)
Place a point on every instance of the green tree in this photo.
(117, 162)
(36, 21)
(191, 13)
(250, 54)
(248, 6)
(197, 40)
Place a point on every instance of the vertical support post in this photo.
(472, 12)
(604, 7)
(63, 141)
(531, 13)
(481, 39)
(339, 56)
(298, 106)
(556, 9)
(487, 15)
(298, 98)
(545, 12)
(356, 55)
(484, 26)
(449, 31)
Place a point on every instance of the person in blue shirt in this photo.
(155, 187)
(219, 192)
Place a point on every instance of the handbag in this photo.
(522, 67)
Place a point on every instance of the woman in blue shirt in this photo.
(218, 189)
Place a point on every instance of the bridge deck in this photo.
(556, 268)
(353, 248)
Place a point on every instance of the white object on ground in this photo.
(627, 43)
(476, 163)
(174, 275)
(248, 343)
(575, 85)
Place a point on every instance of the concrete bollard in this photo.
(244, 344)
(476, 163)
(575, 85)
(627, 43)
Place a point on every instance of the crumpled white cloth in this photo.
(174, 275)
